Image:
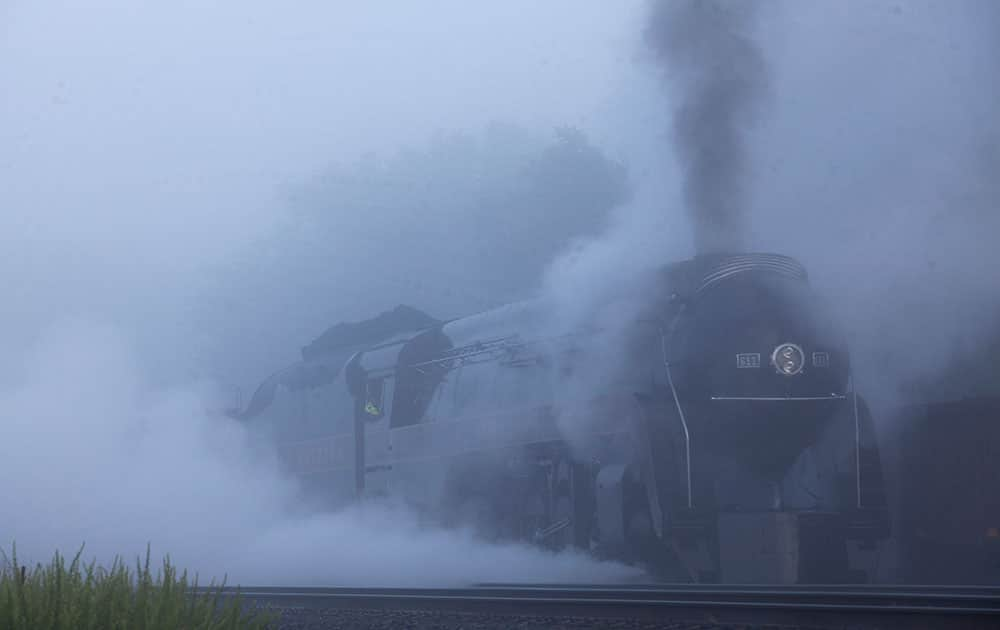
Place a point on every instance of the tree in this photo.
(463, 224)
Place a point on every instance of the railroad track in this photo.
(805, 606)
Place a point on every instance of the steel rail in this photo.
(882, 607)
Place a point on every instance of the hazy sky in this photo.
(141, 141)
(129, 125)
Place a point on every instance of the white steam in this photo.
(89, 455)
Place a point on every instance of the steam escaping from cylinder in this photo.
(718, 75)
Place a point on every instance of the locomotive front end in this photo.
(752, 329)
(755, 360)
(756, 417)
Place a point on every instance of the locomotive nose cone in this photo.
(788, 359)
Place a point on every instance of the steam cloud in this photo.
(709, 58)
(92, 455)
(706, 54)
(132, 162)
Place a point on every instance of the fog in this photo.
(141, 146)
(878, 167)
(152, 158)
(173, 179)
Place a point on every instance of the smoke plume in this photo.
(720, 80)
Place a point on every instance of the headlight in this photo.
(788, 359)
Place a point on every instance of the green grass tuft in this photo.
(82, 596)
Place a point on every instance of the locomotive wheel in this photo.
(556, 513)
(562, 524)
(643, 547)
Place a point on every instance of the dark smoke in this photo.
(718, 76)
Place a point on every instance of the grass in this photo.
(78, 596)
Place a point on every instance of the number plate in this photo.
(748, 360)
(821, 359)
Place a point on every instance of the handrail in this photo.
(680, 409)
(857, 442)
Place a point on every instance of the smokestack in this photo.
(718, 79)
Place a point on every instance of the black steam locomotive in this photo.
(711, 433)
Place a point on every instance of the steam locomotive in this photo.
(701, 423)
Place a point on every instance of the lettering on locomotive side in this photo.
(309, 457)
(748, 360)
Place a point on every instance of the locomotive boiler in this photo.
(711, 434)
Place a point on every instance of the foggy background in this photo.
(189, 194)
